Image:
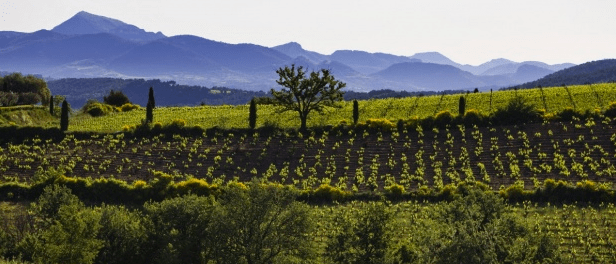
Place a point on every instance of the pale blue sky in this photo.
(468, 32)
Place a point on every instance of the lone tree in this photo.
(116, 98)
(252, 116)
(303, 93)
(64, 116)
(149, 111)
(355, 112)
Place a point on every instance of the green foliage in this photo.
(71, 238)
(124, 236)
(129, 107)
(29, 89)
(264, 224)
(304, 94)
(327, 193)
(362, 236)
(116, 98)
(476, 228)
(51, 200)
(96, 109)
(181, 229)
(252, 116)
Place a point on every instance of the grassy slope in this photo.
(27, 115)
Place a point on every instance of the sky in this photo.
(468, 32)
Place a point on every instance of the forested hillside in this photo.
(601, 71)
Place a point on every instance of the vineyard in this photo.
(581, 98)
(214, 144)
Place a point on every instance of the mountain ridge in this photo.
(88, 45)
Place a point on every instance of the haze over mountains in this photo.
(88, 46)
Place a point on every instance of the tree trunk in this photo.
(303, 118)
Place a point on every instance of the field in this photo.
(581, 98)
(361, 159)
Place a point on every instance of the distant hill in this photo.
(432, 75)
(601, 71)
(85, 23)
(365, 62)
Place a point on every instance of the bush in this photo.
(95, 108)
(517, 111)
(477, 228)
(473, 117)
(443, 118)
(380, 124)
(327, 193)
(116, 98)
(567, 114)
(129, 107)
(362, 236)
(610, 111)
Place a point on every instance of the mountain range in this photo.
(91, 46)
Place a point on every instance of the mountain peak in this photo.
(84, 23)
(434, 57)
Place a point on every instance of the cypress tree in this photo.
(151, 97)
(252, 116)
(64, 116)
(462, 106)
(355, 112)
(149, 112)
(51, 105)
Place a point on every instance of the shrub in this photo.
(129, 107)
(179, 123)
(395, 190)
(116, 98)
(610, 111)
(443, 118)
(517, 111)
(325, 192)
(380, 124)
(567, 114)
(95, 108)
(473, 117)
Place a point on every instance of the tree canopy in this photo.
(304, 94)
(28, 89)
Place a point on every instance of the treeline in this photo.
(265, 223)
(387, 93)
(603, 71)
(169, 93)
